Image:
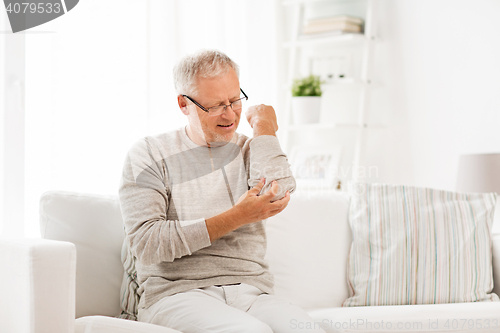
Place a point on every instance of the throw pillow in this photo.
(129, 299)
(416, 245)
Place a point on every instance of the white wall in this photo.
(439, 63)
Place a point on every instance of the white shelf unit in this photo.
(302, 41)
(364, 41)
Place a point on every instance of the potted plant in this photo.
(306, 100)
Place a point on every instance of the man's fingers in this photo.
(257, 188)
(280, 204)
(273, 190)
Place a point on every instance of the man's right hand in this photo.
(253, 207)
(250, 207)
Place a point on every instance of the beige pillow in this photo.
(129, 299)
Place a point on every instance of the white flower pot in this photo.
(306, 109)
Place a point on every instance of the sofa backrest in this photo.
(94, 224)
(308, 247)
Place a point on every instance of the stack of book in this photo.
(333, 25)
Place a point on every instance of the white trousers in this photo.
(234, 308)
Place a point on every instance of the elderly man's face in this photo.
(204, 128)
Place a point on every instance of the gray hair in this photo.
(204, 63)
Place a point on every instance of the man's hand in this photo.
(253, 207)
(249, 208)
(262, 118)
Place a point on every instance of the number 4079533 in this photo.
(33, 8)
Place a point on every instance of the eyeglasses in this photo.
(220, 109)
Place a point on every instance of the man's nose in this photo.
(228, 112)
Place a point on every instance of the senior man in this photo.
(193, 201)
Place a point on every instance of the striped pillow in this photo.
(419, 246)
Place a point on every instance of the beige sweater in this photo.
(170, 186)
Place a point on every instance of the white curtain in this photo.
(99, 78)
(12, 69)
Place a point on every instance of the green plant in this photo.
(308, 86)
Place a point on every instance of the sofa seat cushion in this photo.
(103, 324)
(456, 317)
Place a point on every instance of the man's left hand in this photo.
(262, 118)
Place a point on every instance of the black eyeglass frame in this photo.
(207, 110)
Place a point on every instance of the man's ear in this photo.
(181, 100)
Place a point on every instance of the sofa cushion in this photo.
(102, 324)
(307, 249)
(94, 224)
(478, 317)
(419, 246)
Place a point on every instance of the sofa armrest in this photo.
(38, 286)
(496, 262)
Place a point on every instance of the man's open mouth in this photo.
(226, 125)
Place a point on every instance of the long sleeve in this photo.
(266, 159)
(144, 202)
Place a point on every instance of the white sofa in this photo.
(75, 271)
